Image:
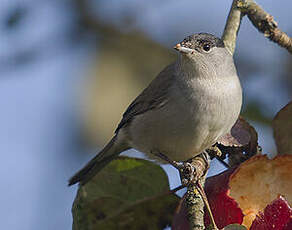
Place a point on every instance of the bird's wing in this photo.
(152, 97)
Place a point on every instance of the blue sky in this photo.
(39, 116)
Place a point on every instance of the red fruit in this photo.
(251, 194)
(224, 208)
(259, 181)
(276, 216)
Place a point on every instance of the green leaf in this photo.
(129, 194)
(235, 227)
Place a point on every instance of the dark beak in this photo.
(182, 49)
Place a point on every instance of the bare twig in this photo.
(215, 152)
(163, 194)
(232, 27)
(265, 23)
(205, 199)
(174, 190)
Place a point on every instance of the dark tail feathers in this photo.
(106, 155)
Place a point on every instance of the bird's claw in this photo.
(187, 173)
(186, 169)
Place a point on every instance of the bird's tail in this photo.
(106, 155)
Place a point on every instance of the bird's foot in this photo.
(186, 169)
(188, 174)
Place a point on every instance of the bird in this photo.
(183, 111)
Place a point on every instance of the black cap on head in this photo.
(198, 40)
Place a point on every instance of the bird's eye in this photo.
(206, 47)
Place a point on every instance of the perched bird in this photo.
(183, 111)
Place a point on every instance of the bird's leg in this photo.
(205, 156)
(186, 169)
(175, 164)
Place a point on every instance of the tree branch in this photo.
(232, 27)
(195, 197)
(265, 23)
(195, 207)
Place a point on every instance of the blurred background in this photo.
(68, 69)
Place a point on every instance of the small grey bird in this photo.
(183, 111)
